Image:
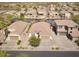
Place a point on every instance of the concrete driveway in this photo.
(64, 43)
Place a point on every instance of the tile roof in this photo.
(17, 27)
(68, 23)
(42, 27)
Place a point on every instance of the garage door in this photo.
(14, 37)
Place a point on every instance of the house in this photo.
(16, 29)
(54, 15)
(65, 27)
(43, 28)
(12, 12)
(65, 14)
(31, 13)
(2, 36)
(74, 12)
(72, 26)
(42, 12)
(60, 27)
(52, 7)
(74, 35)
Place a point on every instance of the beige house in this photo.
(74, 12)
(16, 30)
(65, 26)
(60, 27)
(42, 12)
(65, 14)
(54, 15)
(52, 7)
(31, 13)
(75, 34)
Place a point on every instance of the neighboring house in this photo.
(42, 12)
(12, 12)
(52, 7)
(60, 27)
(2, 11)
(71, 26)
(2, 36)
(65, 27)
(16, 30)
(74, 35)
(54, 15)
(74, 12)
(65, 14)
(43, 28)
(31, 13)
(18, 14)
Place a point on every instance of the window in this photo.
(60, 26)
(70, 31)
(78, 29)
(30, 14)
(40, 14)
(55, 14)
(71, 28)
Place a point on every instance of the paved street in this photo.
(44, 53)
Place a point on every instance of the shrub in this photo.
(18, 42)
(34, 41)
(2, 24)
(3, 53)
(77, 42)
(75, 18)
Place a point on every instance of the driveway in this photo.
(64, 43)
(45, 45)
(10, 45)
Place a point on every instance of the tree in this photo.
(77, 42)
(75, 18)
(21, 16)
(18, 42)
(34, 41)
(3, 53)
(2, 24)
(10, 17)
(1, 18)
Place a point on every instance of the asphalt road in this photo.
(45, 53)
